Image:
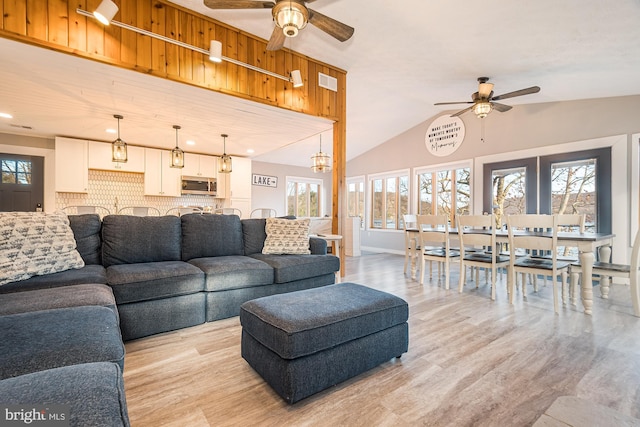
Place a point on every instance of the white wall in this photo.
(536, 128)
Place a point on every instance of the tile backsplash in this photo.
(116, 190)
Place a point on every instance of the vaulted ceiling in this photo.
(404, 57)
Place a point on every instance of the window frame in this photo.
(363, 214)
(309, 181)
(434, 169)
(406, 173)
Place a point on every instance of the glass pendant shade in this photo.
(119, 147)
(482, 109)
(321, 162)
(224, 161)
(177, 155)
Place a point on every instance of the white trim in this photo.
(634, 185)
(305, 180)
(369, 191)
(389, 174)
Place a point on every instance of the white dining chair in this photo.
(139, 211)
(86, 209)
(604, 271)
(263, 213)
(435, 244)
(532, 232)
(479, 231)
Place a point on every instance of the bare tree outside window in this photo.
(573, 190)
(16, 171)
(509, 195)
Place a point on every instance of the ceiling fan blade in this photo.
(277, 39)
(527, 91)
(501, 107)
(238, 4)
(450, 103)
(334, 28)
(461, 112)
(484, 90)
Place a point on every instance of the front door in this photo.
(22, 185)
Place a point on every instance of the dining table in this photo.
(587, 244)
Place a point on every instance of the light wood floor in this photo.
(471, 361)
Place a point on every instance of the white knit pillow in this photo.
(287, 236)
(35, 243)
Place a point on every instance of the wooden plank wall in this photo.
(55, 24)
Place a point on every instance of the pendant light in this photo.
(177, 155)
(224, 162)
(321, 161)
(119, 147)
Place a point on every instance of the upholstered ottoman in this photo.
(306, 341)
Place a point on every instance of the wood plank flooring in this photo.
(471, 362)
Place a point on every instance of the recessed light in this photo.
(251, 151)
(190, 142)
(6, 116)
(111, 130)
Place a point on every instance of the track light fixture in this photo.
(105, 11)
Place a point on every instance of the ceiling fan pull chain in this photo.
(482, 130)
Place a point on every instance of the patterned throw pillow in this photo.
(35, 243)
(287, 236)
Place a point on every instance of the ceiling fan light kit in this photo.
(290, 16)
(483, 99)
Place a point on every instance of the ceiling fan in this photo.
(290, 16)
(483, 99)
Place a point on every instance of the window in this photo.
(303, 196)
(355, 198)
(444, 191)
(578, 182)
(508, 193)
(16, 171)
(389, 201)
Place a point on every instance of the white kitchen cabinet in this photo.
(100, 158)
(71, 162)
(160, 179)
(240, 185)
(200, 165)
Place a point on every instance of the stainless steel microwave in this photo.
(199, 185)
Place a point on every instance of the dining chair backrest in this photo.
(183, 210)
(139, 211)
(533, 231)
(476, 230)
(571, 222)
(263, 213)
(433, 229)
(86, 209)
(228, 211)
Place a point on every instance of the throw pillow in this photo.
(287, 236)
(35, 243)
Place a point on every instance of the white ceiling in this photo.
(404, 57)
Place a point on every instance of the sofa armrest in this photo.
(317, 246)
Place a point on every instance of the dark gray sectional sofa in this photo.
(61, 334)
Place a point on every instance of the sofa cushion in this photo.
(94, 393)
(35, 243)
(86, 231)
(88, 274)
(151, 280)
(286, 236)
(40, 340)
(210, 236)
(233, 272)
(128, 239)
(61, 297)
(288, 268)
(254, 235)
